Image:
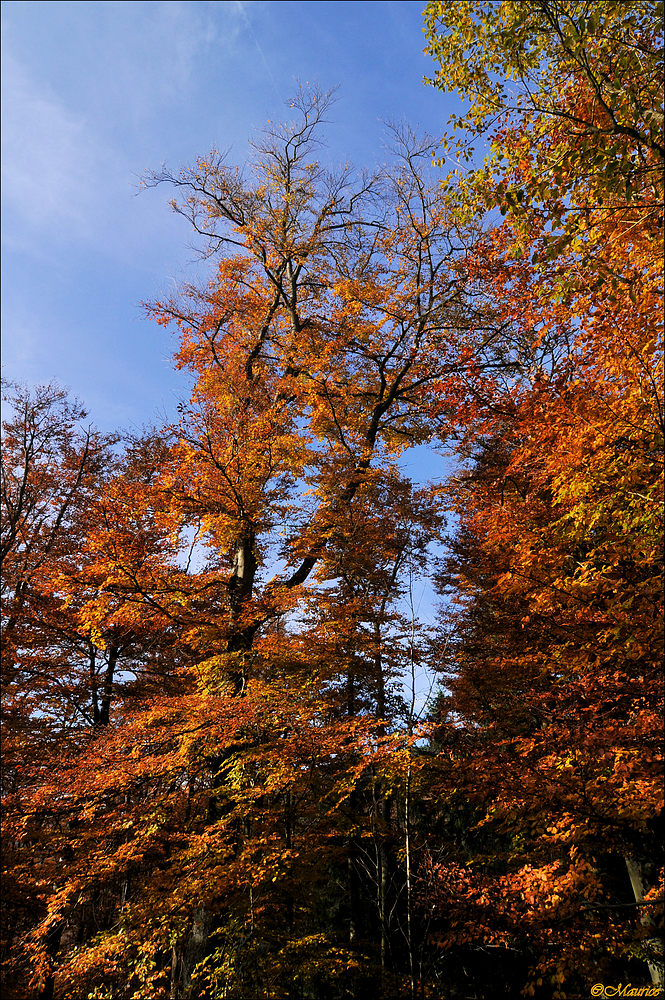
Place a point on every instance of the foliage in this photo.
(556, 661)
(239, 574)
(569, 96)
(216, 784)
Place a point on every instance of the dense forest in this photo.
(222, 777)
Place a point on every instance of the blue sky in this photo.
(94, 94)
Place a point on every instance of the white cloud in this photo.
(71, 154)
(49, 158)
(152, 54)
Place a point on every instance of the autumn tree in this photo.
(51, 468)
(266, 536)
(568, 95)
(334, 314)
(558, 648)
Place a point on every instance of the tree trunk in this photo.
(107, 687)
(409, 901)
(383, 881)
(92, 660)
(53, 936)
(654, 945)
(173, 991)
(241, 584)
(352, 874)
(195, 948)
(384, 805)
(239, 640)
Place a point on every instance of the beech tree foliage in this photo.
(557, 651)
(218, 779)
